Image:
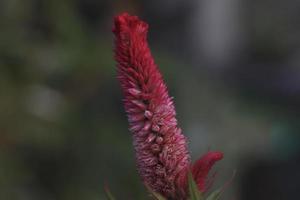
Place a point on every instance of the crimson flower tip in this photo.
(126, 23)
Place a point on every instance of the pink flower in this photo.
(201, 168)
(161, 149)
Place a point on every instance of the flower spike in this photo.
(161, 149)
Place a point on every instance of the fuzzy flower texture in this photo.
(161, 150)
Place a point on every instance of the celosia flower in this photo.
(161, 149)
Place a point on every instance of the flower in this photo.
(201, 168)
(161, 149)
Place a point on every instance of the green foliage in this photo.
(215, 195)
(108, 194)
(156, 195)
(194, 193)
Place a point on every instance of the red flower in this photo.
(161, 149)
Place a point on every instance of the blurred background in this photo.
(233, 67)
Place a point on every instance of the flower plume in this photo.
(161, 149)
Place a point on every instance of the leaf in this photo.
(108, 193)
(194, 192)
(215, 195)
(156, 195)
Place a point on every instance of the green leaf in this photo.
(108, 194)
(156, 195)
(215, 195)
(194, 192)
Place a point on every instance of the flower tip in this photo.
(121, 19)
(126, 22)
(207, 160)
(215, 155)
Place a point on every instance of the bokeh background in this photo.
(233, 67)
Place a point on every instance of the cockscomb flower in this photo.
(162, 156)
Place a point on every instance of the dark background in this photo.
(233, 67)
